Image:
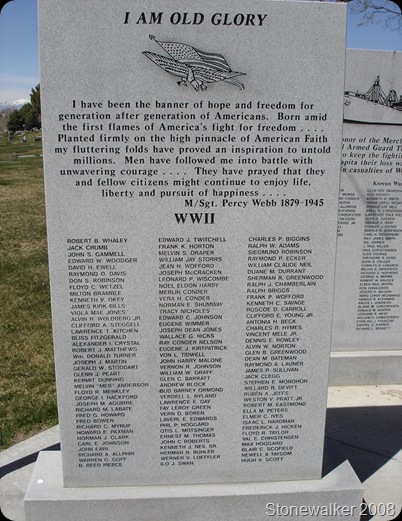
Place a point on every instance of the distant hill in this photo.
(17, 104)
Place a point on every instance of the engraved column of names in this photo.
(378, 303)
(104, 340)
(279, 274)
(348, 210)
(192, 350)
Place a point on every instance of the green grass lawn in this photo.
(27, 381)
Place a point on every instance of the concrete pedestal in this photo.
(338, 494)
(365, 367)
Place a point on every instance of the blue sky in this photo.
(19, 64)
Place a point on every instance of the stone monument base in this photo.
(365, 367)
(338, 494)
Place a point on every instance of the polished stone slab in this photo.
(192, 182)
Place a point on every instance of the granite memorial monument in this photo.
(192, 179)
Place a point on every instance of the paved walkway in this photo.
(366, 421)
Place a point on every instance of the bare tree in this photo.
(384, 12)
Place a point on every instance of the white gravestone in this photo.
(367, 311)
(192, 177)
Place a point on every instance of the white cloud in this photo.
(16, 80)
(14, 94)
(16, 87)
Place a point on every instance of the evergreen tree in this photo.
(28, 116)
(35, 104)
(15, 121)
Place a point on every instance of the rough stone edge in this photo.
(365, 367)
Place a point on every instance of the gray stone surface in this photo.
(366, 423)
(365, 367)
(360, 412)
(16, 467)
(338, 492)
(192, 265)
(367, 310)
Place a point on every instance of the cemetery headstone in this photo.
(192, 177)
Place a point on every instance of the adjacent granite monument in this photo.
(367, 314)
(192, 172)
